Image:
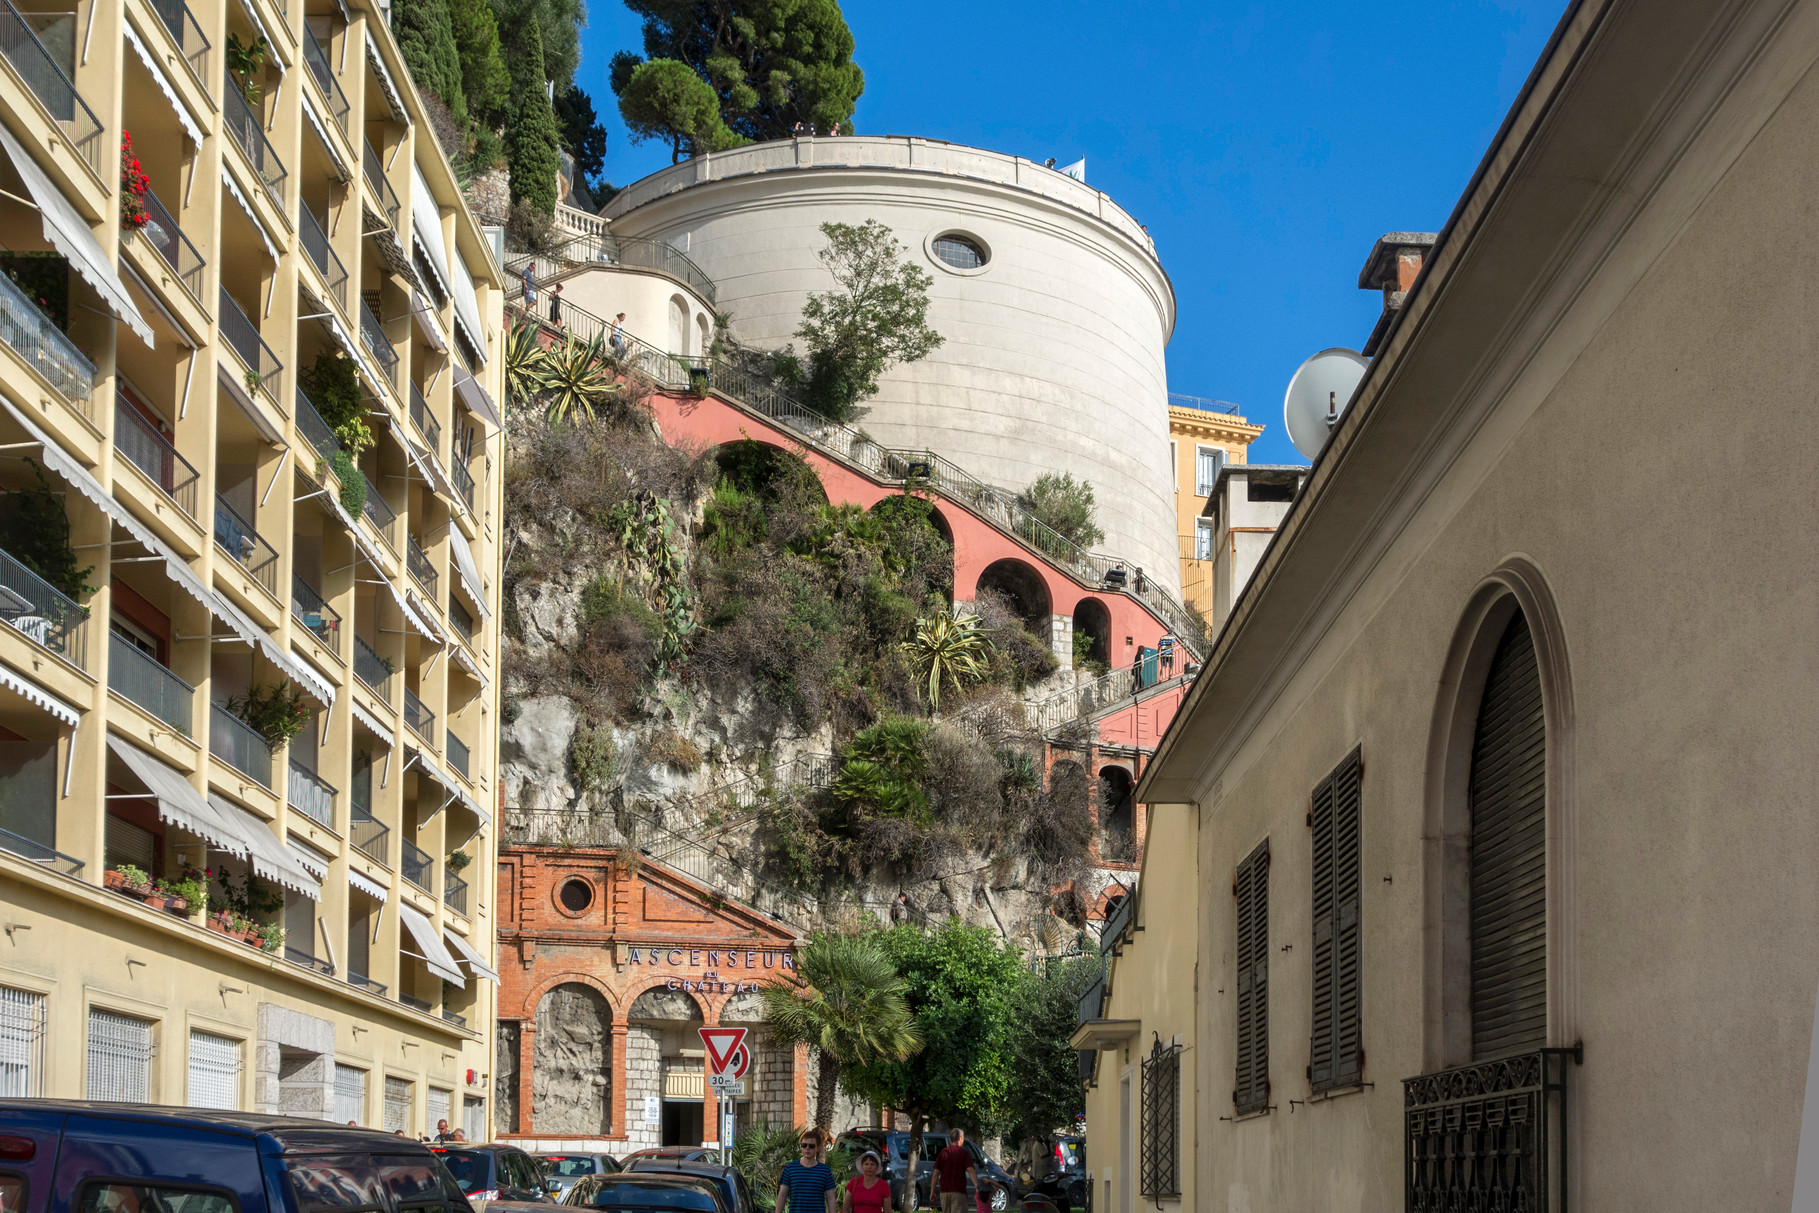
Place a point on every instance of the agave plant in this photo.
(576, 379)
(525, 361)
(950, 651)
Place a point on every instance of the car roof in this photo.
(677, 1166)
(491, 1147)
(285, 1132)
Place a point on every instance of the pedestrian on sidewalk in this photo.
(953, 1168)
(618, 337)
(866, 1192)
(530, 287)
(555, 305)
(807, 1184)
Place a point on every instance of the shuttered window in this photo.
(1251, 1093)
(350, 1095)
(399, 1097)
(439, 1105)
(1337, 1048)
(119, 1057)
(1509, 854)
(473, 1117)
(214, 1071)
(1207, 462)
(21, 1043)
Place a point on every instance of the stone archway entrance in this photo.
(664, 1057)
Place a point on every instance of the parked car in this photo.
(733, 1189)
(628, 1190)
(495, 1173)
(560, 1171)
(78, 1156)
(674, 1154)
(894, 1148)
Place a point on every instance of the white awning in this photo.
(426, 616)
(12, 680)
(430, 947)
(475, 964)
(233, 187)
(411, 619)
(313, 862)
(178, 802)
(476, 398)
(372, 554)
(65, 228)
(428, 766)
(270, 858)
(426, 228)
(371, 888)
(252, 634)
(328, 145)
(427, 323)
(467, 663)
(392, 95)
(371, 722)
(184, 120)
(470, 572)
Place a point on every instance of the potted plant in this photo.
(127, 879)
(134, 217)
(188, 894)
(267, 938)
(700, 378)
(457, 860)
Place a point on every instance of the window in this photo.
(1337, 1047)
(399, 1096)
(145, 1198)
(473, 1117)
(119, 1057)
(21, 1044)
(961, 252)
(576, 895)
(439, 1109)
(350, 1095)
(12, 1194)
(1207, 462)
(1203, 539)
(1252, 1090)
(214, 1071)
(130, 844)
(1159, 1163)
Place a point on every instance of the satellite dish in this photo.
(1319, 392)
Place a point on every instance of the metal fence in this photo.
(454, 892)
(322, 255)
(459, 756)
(372, 670)
(375, 177)
(314, 613)
(138, 677)
(316, 59)
(418, 716)
(308, 794)
(369, 835)
(40, 72)
(242, 335)
(464, 482)
(244, 125)
(417, 560)
(33, 606)
(237, 744)
(44, 347)
(415, 865)
(425, 421)
(237, 537)
(372, 335)
(186, 32)
(381, 515)
(152, 453)
(167, 237)
(1491, 1135)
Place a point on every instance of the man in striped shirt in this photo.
(807, 1184)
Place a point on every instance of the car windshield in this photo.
(472, 1169)
(1070, 1153)
(565, 1168)
(640, 1196)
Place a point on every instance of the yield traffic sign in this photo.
(726, 1051)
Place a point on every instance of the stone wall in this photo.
(572, 1069)
(774, 1092)
(505, 1077)
(294, 1064)
(643, 1077)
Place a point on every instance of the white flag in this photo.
(1077, 170)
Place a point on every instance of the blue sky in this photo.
(1266, 146)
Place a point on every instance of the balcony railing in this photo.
(458, 616)
(315, 430)
(298, 956)
(151, 452)
(418, 562)
(167, 237)
(372, 670)
(415, 1003)
(310, 795)
(454, 1017)
(362, 981)
(381, 515)
(369, 835)
(186, 33)
(235, 742)
(315, 614)
(1487, 1134)
(425, 421)
(375, 177)
(315, 243)
(249, 133)
(243, 335)
(419, 717)
(236, 536)
(36, 852)
(454, 892)
(43, 346)
(316, 58)
(32, 605)
(415, 865)
(464, 483)
(41, 73)
(372, 335)
(137, 677)
(458, 755)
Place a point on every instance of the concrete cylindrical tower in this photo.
(1053, 358)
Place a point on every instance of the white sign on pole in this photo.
(653, 1110)
(726, 1084)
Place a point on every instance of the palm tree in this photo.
(848, 1002)
(949, 649)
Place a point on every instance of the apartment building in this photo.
(1204, 438)
(234, 561)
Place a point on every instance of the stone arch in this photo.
(704, 333)
(1023, 585)
(1093, 618)
(765, 469)
(538, 992)
(1117, 815)
(572, 1062)
(658, 1001)
(743, 1008)
(678, 325)
(903, 508)
(1110, 898)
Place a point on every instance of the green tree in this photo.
(484, 81)
(532, 143)
(876, 317)
(1047, 1094)
(770, 63)
(665, 100)
(1066, 505)
(583, 136)
(426, 39)
(848, 1002)
(760, 1153)
(560, 23)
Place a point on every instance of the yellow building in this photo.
(1204, 436)
(157, 365)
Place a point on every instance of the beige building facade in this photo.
(1502, 768)
(229, 563)
(1204, 438)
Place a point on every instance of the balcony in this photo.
(425, 421)
(375, 177)
(363, 982)
(137, 677)
(369, 836)
(43, 347)
(308, 960)
(454, 893)
(33, 606)
(310, 796)
(40, 72)
(316, 59)
(234, 742)
(464, 483)
(419, 717)
(163, 234)
(249, 133)
(315, 243)
(372, 335)
(415, 865)
(262, 366)
(381, 515)
(454, 1017)
(1491, 1130)
(459, 617)
(36, 852)
(417, 560)
(372, 670)
(458, 755)
(315, 431)
(187, 34)
(236, 536)
(151, 452)
(312, 612)
(416, 1004)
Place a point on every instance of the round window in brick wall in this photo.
(576, 895)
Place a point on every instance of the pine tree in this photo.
(483, 76)
(532, 138)
(426, 39)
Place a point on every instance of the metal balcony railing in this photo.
(265, 371)
(464, 483)
(314, 613)
(167, 237)
(419, 717)
(31, 335)
(186, 32)
(244, 124)
(425, 421)
(381, 515)
(458, 755)
(236, 536)
(369, 835)
(417, 560)
(1488, 1135)
(236, 743)
(40, 72)
(308, 960)
(33, 606)
(415, 865)
(415, 1003)
(315, 57)
(315, 430)
(372, 335)
(454, 1017)
(637, 252)
(32, 850)
(315, 243)
(151, 452)
(310, 795)
(362, 981)
(460, 618)
(138, 677)
(375, 177)
(454, 892)
(371, 669)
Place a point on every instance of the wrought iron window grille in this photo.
(1489, 1135)
(1159, 1161)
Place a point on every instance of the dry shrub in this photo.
(1019, 658)
(674, 750)
(964, 785)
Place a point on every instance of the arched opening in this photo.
(916, 535)
(1023, 587)
(678, 325)
(572, 1064)
(1117, 816)
(1092, 634)
(704, 334)
(663, 1057)
(754, 479)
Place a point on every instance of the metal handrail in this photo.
(322, 256)
(37, 609)
(458, 755)
(186, 32)
(308, 960)
(247, 131)
(242, 335)
(415, 1003)
(371, 669)
(176, 249)
(139, 678)
(315, 430)
(417, 560)
(316, 59)
(32, 850)
(416, 865)
(418, 716)
(368, 835)
(239, 745)
(460, 617)
(362, 981)
(372, 333)
(454, 893)
(44, 347)
(425, 421)
(375, 176)
(637, 252)
(313, 612)
(45, 78)
(455, 1017)
(381, 515)
(308, 794)
(464, 482)
(237, 537)
(152, 453)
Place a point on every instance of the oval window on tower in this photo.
(959, 252)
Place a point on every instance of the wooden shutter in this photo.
(1509, 854)
(1251, 1092)
(1336, 1052)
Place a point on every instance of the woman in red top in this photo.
(866, 1192)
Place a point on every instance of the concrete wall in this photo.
(648, 301)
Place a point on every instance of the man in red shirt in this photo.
(953, 1168)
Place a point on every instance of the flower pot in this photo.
(700, 380)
